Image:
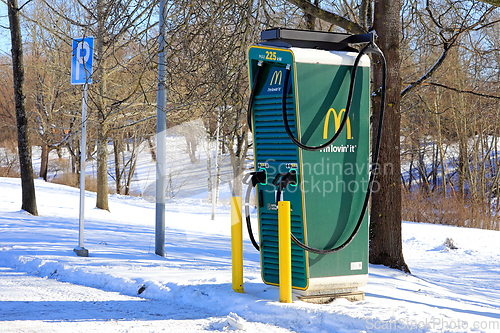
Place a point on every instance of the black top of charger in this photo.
(334, 41)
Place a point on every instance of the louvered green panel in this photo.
(274, 149)
(270, 254)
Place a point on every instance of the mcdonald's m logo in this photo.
(276, 78)
(337, 120)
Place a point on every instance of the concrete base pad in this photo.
(81, 251)
(328, 298)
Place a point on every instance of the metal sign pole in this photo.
(81, 251)
(161, 137)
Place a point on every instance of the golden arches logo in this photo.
(276, 76)
(337, 119)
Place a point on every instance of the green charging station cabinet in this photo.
(327, 201)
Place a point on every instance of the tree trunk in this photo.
(442, 160)
(44, 161)
(434, 166)
(238, 157)
(131, 169)
(23, 140)
(102, 167)
(209, 170)
(385, 227)
(310, 19)
(130, 175)
(217, 178)
(151, 149)
(102, 135)
(238, 169)
(118, 176)
(422, 170)
(410, 175)
(191, 147)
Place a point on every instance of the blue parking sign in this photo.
(81, 60)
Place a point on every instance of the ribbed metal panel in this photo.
(272, 145)
(270, 253)
(272, 142)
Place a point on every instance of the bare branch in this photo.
(429, 73)
(447, 46)
(132, 124)
(461, 91)
(21, 8)
(327, 16)
(363, 14)
(65, 17)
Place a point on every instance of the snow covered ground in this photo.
(45, 287)
(35, 304)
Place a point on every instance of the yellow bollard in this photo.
(285, 252)
(237, 244)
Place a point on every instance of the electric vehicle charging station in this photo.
(309, 112)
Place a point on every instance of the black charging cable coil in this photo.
(252, 179)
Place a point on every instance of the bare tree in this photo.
(49, 95)
(120, 29)
(385, 217)
(449, 71)
(23, 139)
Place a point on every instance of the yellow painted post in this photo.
(237, 244)
(285, 252)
